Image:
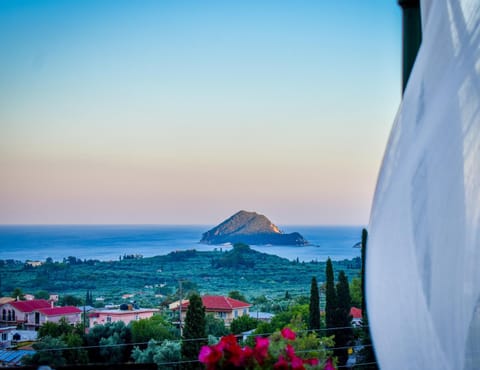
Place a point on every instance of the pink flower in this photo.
(288, 333)
(261, 349)
(329, 364)
(311, 361)
(281, 364)
(290, 351)
(210, 356)
(297, 363)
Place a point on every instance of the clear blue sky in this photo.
(188, 111)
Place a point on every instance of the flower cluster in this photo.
(228, 354)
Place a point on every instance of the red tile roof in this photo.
(356, 313)
(216, 303)
(59, 311)
(29, 306)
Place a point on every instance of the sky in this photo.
(185, 112)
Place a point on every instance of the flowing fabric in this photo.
(423, 253)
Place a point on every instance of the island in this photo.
(250, 228)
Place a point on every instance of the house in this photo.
(4, 300)
(221, 307)
(356, 314)
(102, 317)
(32, 314)
(11, 335)
(262, 316)
(72, 314)
(17, 312)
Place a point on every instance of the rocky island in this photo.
(250, 228)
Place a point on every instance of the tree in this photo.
(367, 354)
(48, 353)
(101, 334)
(194, 336)
(155, 327)
(331, 299)
(214, 326)
(344, 333)
(235, 294)
(42, 294)
(70, 300)
(356, 292)
(314, 307)
(243, 323)
(89, 298)
(167, 352)
(18, 294)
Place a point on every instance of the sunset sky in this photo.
(184, 112)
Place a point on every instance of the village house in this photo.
(356, 314)
(102, 317)
(34, 313)
(11, 335)
(220, 307)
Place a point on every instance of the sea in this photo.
(110, 242)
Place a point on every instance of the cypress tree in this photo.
(314, 313)
(367, 354)
(194, 332)
(331, 299)
(343, 336)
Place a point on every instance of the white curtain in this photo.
(423, 253)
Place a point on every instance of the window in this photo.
(244, 311)
(109, 318)
(235, 313)
(4, 337)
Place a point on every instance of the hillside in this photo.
(150, 279)
(250, 228)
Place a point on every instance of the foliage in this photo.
(109, 334)
(194, 333)
(367, 353)
(18, 293)
(156, 327)
(59, 329)
(68, 336)
(235, 294)
(243, 323)
(114, 278)
(239, 256)
(275, 352)
(89, 298)
(314, 307)
(69, 300)
(331, 299)
(167, 351)
(282, 319)
(42, 294)
(48, 353)
(356, 292)
(343, 333)
(215, 327)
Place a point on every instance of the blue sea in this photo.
(108, 242)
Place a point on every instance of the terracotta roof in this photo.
(59, 311)
(356, 313)
(217, 303)
(4, 300)
(29, 306)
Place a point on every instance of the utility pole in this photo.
(411, 36)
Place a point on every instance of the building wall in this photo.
(125, 316)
